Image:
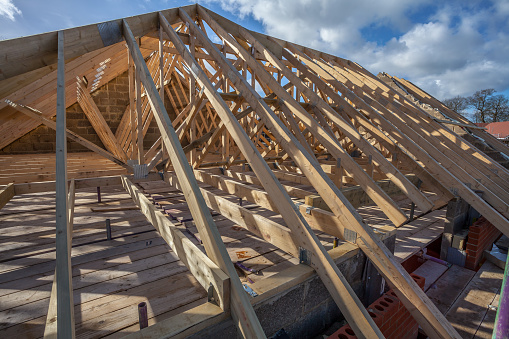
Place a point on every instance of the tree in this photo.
(498, 107)
(479, 101)
(457, 104)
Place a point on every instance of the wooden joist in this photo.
(204, 270)
(6, 194)
(265, 228)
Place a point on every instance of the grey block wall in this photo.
(306, 309)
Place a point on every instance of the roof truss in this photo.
(253, 99)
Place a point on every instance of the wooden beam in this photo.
(139, 115)
(414, 298)
(241, 308)
(49, 186)
(455, 123)
(389, 207)
(392, 172)
(98, 123)
(6, 194)
(357, 196)
(316, 218)
(262, 227)
(132, 104)
(441, 143)
(292, 191)
(327, 270)
(447, 172)
(425, 97)
(65, 304)
(51, 328)
(39, 50)
(70, 134)
(203, 269)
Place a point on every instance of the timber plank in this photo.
(449, 286)
(469, 310)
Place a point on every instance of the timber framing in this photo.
(304, 136)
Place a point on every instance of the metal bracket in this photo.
(250, 291)
(304, 256)
(140, 171)
(110, 32)
(210, 293)
(308, 209)
(350, 236)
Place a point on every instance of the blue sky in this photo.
(448, 48)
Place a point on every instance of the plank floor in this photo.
(465, 297)
(111, 277)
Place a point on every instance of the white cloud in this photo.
(8, 9)
(456, 48)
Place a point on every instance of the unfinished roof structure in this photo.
(235, 121)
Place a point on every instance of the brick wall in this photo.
(481, 236)
(111, 99)
(390, 315)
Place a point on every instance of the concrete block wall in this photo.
(481, 236)
(303, 310)
(111, 99)
(390, 315)
(457, 218)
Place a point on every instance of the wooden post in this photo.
(139, 116)
(192, 99)
(65, 304)
(132, 104)
(161, 78)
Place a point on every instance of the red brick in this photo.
(474, 230)
(419, 280)
(473, 236)
(471, 247)
(343, 333)
(377, 318)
